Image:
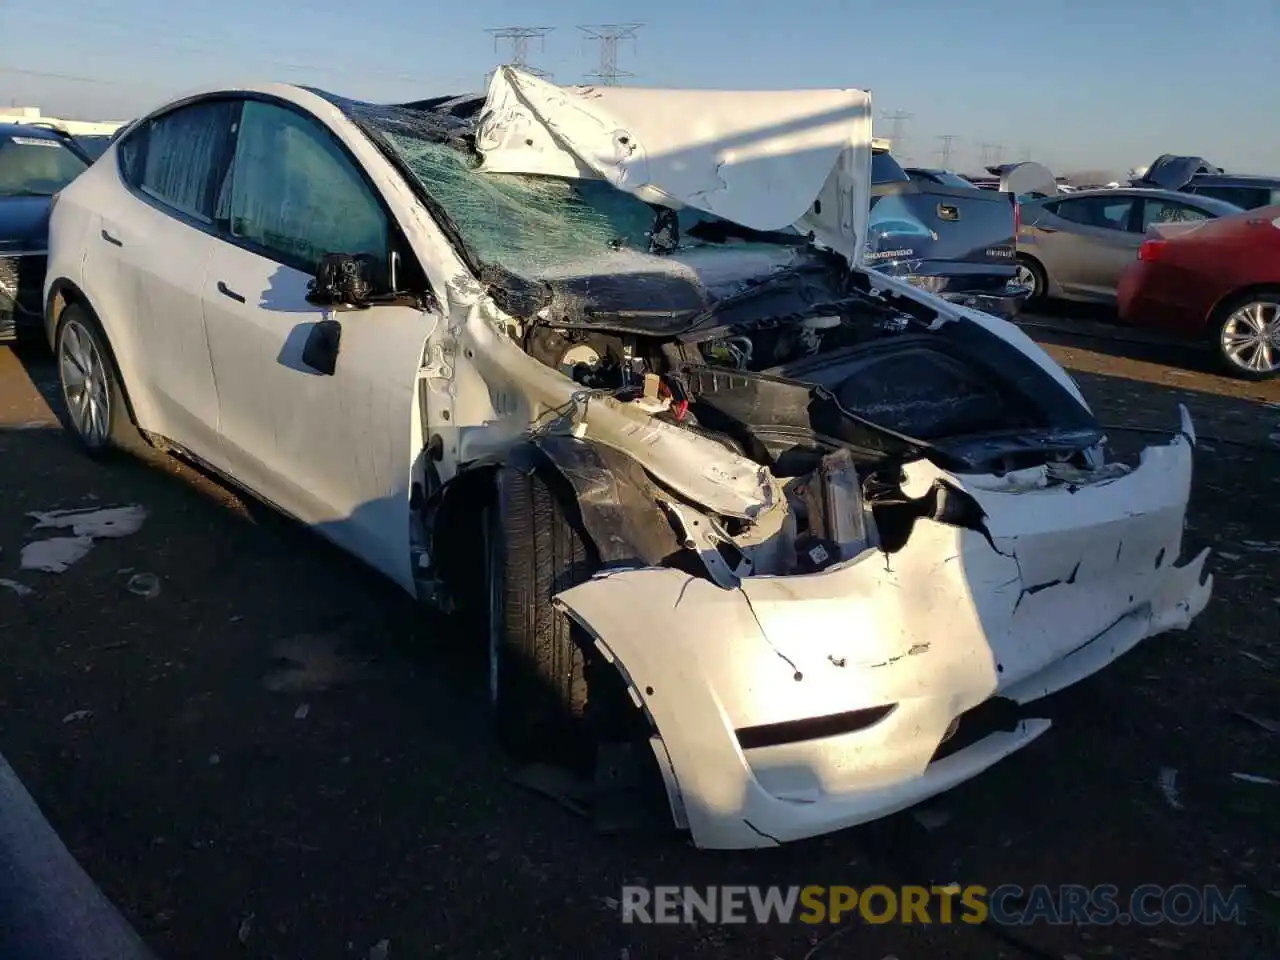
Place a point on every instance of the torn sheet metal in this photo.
(756, 158)
(1066, 578)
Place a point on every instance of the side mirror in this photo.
(320, 352)
(346, 280)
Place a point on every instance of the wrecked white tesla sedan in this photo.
(600, 367)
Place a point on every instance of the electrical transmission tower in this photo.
(1025, 155)
(897, 119)
(991, 153)
(944, 152)
(609, 34)
(519, 38)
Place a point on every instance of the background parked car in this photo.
(1220, 281)
(949, 238)
(1076, 247)
(1197, 176)
(35, 163)
(945, 178)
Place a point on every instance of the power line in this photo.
(991, 153)
(944, 152)
(520, 37)
(897, 120)
(607, 73)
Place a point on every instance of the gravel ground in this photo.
(237, 804)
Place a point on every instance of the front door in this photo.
(334, 450)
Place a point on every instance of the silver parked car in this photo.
(1075, 247)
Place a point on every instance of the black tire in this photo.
(1217, 330)
(1039, 280)
(538, 660)
(120, 432)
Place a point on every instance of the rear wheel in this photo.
(538, 660)
(95, 409)
(1031, 276)
(1248, 334)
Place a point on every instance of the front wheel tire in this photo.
(538, 659)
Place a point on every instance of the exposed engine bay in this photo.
(834, 402)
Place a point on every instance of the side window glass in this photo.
(174, 158)
(1244, 197)
(296, 195)
(1166, 211)
(1103, 213)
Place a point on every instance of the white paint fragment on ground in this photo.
(99, 523)
(76, 715)
(1254, 778)
(20, 589)
(56, 554)
(1168, 782)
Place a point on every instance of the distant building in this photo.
(79, 128)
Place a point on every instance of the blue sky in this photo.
(1084, 84)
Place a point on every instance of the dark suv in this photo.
(1196, 175)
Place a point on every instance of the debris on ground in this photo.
(312, 664)
(1255, 658)
(98, 523)
(145, 585)
(301, 712)
(1254, 778)
(1264, 723)
(56, 554)
(931, 818)
(20, 589)
(77, 715)
(246, 927)
(380, 950)
(1168, 782)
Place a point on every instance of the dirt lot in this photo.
(234, 807)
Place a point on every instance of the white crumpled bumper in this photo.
(796, 705)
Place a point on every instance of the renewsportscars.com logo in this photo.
(1008, 904)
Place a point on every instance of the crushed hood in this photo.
(767, 160)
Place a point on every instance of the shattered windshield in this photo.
(534, 227)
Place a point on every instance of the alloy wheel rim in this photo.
(1026, 277)
(84, 384)
(1251, 337)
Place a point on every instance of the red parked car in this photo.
(1218, 280)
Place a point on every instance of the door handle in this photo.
(1047, 229)
(228, 292)
(110, 239)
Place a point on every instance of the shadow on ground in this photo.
(233, 803)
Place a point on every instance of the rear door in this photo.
(150, 247)
(1087, 242)
(332, 449)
